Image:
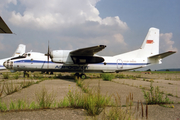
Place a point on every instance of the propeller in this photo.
(48, 54)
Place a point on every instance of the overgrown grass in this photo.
(6, 75)
(26, 84)
(45, 99)
(155, 96)
(16, 75)
(117, 112)
(93, 103)
(64, 103)
(10, 88)
(107, 76)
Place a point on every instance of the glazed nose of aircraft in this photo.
(8, 64)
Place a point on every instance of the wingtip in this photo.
(172, 51)
(103, 46)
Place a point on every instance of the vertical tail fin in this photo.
(20, 50)
(150, 45)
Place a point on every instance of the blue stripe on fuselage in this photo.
(33, 61)
(37, 61)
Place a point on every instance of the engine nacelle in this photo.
(61, 56)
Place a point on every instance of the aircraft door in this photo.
(119, 64)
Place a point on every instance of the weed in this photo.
(168, 78)
(151, 80)
(170, 94)
(26, 84)
(6, 76)
(120, 76)
(3, 106)
(167, 106)
(107, 76)
(10, 88)
(16, 76)
(170, 83)
(1, 89)
(155, 96)
(79, 83)
(33, 105)
(93, 103)
(12, 106)
(38, 76)
(64, 103)
(118, 113)
(44, 99)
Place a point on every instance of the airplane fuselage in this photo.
(39, 62)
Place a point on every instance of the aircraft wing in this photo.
(3, 27)
(163, 55)
(89, 51)
(85, 55)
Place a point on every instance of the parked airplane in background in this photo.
(19, 51)
(85, 60)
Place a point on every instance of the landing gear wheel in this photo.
(76, 76)
(83, 76)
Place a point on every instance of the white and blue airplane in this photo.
(86, 60)
(19, 51)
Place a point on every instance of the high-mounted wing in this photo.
(3, 27)
(90, 51)
(163, 55)
(85, 55)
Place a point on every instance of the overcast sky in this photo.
(70, 24)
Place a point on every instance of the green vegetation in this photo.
(155, 96)
(107, 76)
(93, 103)
(10, 88)
(45, 99)
(5, 75)
(117, 112)
(64, 103)
(26, 84)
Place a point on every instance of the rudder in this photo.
(150, 45)
(20, 50)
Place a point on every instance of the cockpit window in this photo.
(29, 55)
(24, 55)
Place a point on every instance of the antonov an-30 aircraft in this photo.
(19, 52)
(85, 60)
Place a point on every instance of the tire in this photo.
(83, 76)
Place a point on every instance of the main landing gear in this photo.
(82, 75)
(25, 74)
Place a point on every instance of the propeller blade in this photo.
(48, 54)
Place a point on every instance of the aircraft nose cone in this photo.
(8, 64)
(5, 64)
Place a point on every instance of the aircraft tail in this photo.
(150, 45)
(20, 50)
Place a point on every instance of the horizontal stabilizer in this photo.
(162, 55)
